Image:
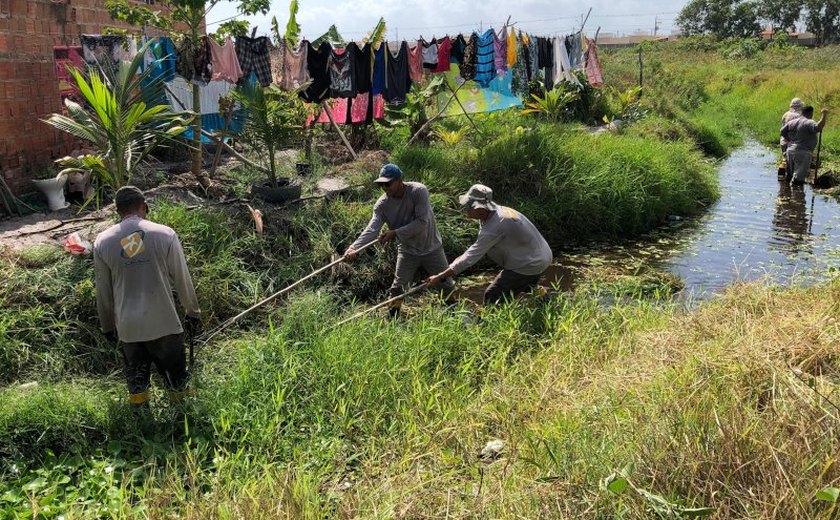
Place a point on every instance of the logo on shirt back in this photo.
(510, 213)
(132, 245)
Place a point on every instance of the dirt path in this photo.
(51, 228)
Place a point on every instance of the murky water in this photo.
(760, 229)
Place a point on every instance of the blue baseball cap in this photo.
(388, 173)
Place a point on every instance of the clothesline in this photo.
(363, 74)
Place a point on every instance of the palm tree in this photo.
(117, 121)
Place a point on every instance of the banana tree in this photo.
(116, 121)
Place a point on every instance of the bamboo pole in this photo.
(337, 129)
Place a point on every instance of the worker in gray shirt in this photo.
(801, 135)
(137, 265)
(405, 207)
(509, 239)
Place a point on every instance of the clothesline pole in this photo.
(440, 113)
(585, 20)
(463, 109)
(337, 129)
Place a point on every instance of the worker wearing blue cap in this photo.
(405, 207)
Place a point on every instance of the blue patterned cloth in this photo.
(485, 69)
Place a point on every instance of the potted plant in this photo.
(116, 123)
(52, 186)
(274, 119)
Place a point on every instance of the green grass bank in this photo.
(295, 419)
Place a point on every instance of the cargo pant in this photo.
(407, 266)
(508, 284)
(167, 353)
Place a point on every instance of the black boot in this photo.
(393, 313)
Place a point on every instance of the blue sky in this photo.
(409, 20)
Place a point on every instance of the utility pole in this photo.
(655, 25)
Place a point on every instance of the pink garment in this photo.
(225, 63)
(444, 51)
(593, 65)
(500, 51)
(358, 112)
(415, 62)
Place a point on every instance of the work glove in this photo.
(192, 326)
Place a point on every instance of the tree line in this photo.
(745, 18)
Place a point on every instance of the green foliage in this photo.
(275, 119)
(137, 15)
(117, 122)
(413, 113)
(822, 17)
(450, 137)
(552, 106)
(232, 29)
(720, 18)
(292, 35)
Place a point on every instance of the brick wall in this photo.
(29, 30)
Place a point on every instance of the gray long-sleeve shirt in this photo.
(510, 240)
(137, 264)
(801, 134)
(410, 216)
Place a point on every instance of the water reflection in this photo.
(790, 221)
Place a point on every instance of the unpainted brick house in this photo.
(36, 37)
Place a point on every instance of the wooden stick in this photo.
(343, 138)
(380, 305)
(439, 114)
(461, 105)
(231, 321)
(233, 152)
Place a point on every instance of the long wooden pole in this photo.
(337, 129)
(380, 305)
(281, 292)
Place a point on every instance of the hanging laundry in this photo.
(179, 93)
(341, 74)
(318, 65)
(365, 108)
(379, 68)
(185, 58)
(519, 70)
(562, 68)
(225, 63)
(470, 57)
(444, 52)
(253, 57)
(430, 54)
(525, 54)
(574, 46)
(101, 50)
(359, 110)
(361, 66)
(545, 60)
(130, 49)
(203, 62)
(593, 65)
(399, 79)
(277, 58)
(415, 61)
(500, 51)
(512, 51)
(533, 57)
(485, 69)
(295, 68)
(160, 55)
(456, 53)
